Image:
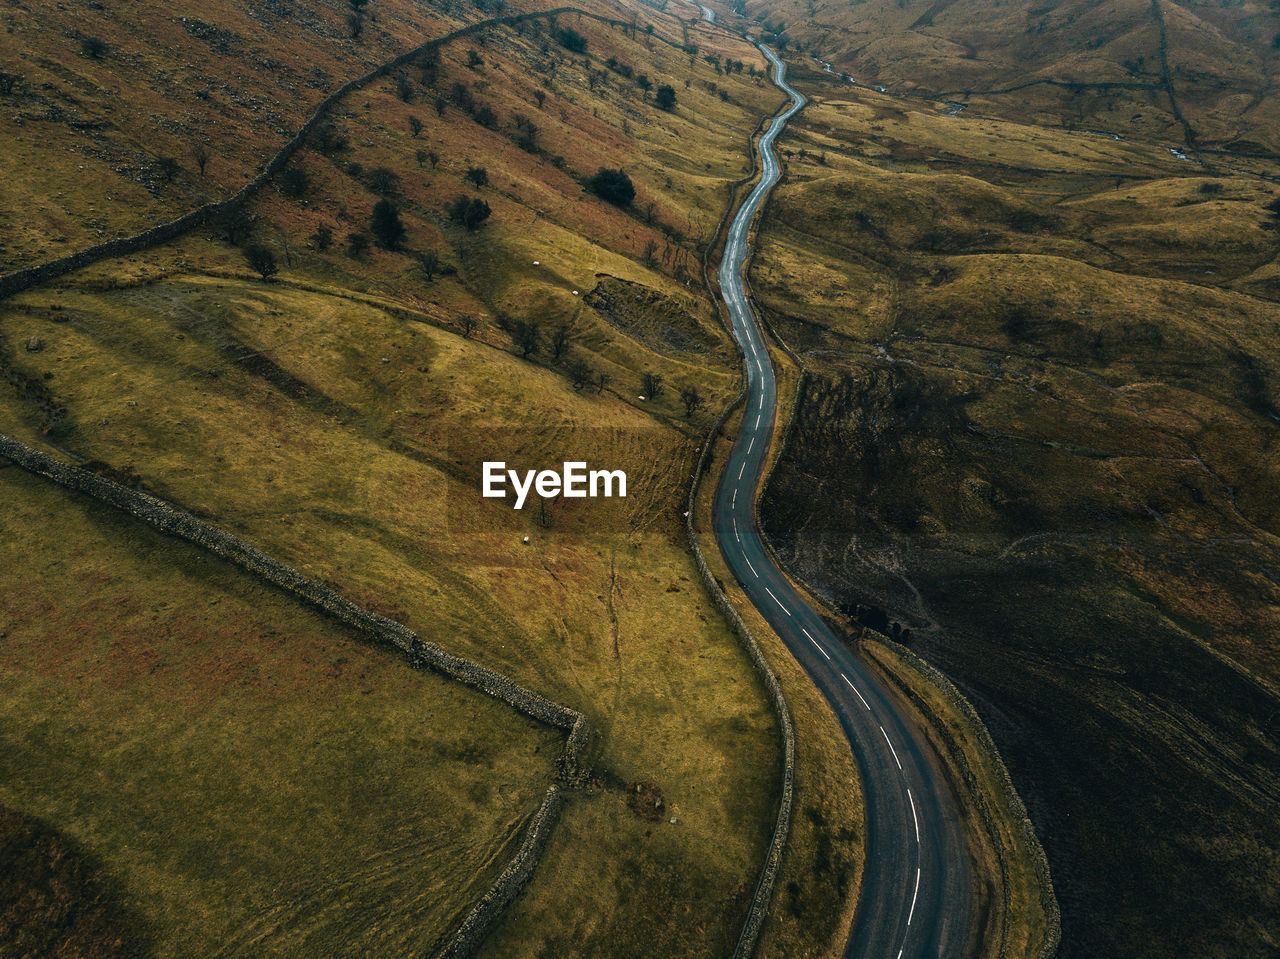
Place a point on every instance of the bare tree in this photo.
(429, 263)
(560, 339)
(261, 260)
(468, 324)
(692, 401)
(651, 385)
(527, 337)
(415, 126)
(200, 153)
(579, 375)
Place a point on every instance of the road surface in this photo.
(916, 899)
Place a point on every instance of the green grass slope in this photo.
(337, 415)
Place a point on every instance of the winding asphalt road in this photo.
(916, 899)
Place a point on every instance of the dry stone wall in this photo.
(762, 898)
(19, 280)
(176, 522)
(1021, 822)
(518, 872)
(169, 519)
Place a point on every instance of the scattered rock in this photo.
(35, 344)
(645, 799)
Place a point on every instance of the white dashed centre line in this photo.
(750, 567)
(815, 644)
(735, 530)
(741, 468)
(914, 818)
(776, 600)
(855, 691)
(913, 898)
(891, 749)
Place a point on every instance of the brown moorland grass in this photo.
(404, 531)
(248, 777)
(329, 417)
(1039, 433)
(1074, 64)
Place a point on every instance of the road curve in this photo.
(916, 899)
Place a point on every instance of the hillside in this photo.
(327, 390)
(1187, 73)
(1037, 442)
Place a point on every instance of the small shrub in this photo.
(294, 182)
(470, 212)
(322, 239)
(94, 48)
(261, 260)
(612, 186)
(571, 40)
(382, 181)
(386, 225)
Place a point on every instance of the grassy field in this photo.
(248, 778)
(337, 416)
(1039, 435)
